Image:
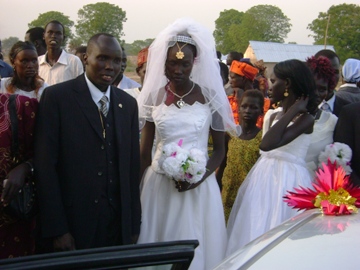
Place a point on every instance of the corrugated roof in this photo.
(275, 52)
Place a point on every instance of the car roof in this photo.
(309, 240)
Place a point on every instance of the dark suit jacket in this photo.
(338, 104)
(347, 131)
(68, 147)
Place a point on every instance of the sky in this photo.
(146, 18)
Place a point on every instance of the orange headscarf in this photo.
(244, 69)
(142, 56)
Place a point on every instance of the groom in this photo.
(87, 156)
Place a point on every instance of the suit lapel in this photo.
(87, 105)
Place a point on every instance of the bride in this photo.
(183, 104)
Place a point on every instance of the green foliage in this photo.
(137, 45)
(343, 30)
(261, 23)
(75, 42)
(101, 17)
(264, 23)
(7, 43)
(228, 19)
(131, 64)
(46, 17)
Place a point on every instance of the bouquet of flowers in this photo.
(333, 193)
(337, 152)
(183, 165)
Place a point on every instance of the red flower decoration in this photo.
(333, 193)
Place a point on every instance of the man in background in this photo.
(80, 52)
(347, 131)
(36, 36)
(122, 81)
(233, 56)
(56, 65)
(351, 76)
(332, 103)
(5, 69)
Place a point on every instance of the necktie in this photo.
(326, 107)
(103, 105)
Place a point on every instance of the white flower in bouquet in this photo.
(183, 165)
(170, 149)
(195, 172)
(182, 156)
(196, 165)
(171, 167)
(197, 155)
(337, 152)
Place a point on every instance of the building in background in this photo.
(272, 52)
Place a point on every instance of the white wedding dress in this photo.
(169, 215)
(259, 204)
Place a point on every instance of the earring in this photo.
(286, 93)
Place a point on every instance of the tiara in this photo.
(183, 39)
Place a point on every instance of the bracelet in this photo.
(31, 167)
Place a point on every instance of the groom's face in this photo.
(103, 61)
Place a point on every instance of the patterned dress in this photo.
(15, 235)
(241, 156)
(234, 107)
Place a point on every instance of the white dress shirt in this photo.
(127, 83)
(67, 67)
(330, 102)
(96, 94)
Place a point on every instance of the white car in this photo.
(309, 240)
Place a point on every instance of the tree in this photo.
(234, 29)
(7, 43)
(46, 17)
(223, 34)
(263, 23)
(75, 42)
(343, 30)
(100, 18)
(137, 45)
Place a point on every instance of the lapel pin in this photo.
(120, 105)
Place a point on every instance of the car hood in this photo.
(309, 240)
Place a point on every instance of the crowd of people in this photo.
(118, 162)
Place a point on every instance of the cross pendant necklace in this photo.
(180, 103)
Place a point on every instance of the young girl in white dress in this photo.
(259, 203)
(184, 103)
